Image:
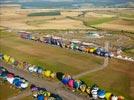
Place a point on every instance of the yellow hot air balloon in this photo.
(88, 90)
(46, 94)
(108, 95)
(6, 58)
(33, 38)
(52, 75)
(47, 73)
(83, 87)
(11, 60)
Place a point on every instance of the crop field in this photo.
(119, 24)
(45, 13)
(29, 19)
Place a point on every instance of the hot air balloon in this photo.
(114, 97)
(65, 79)
(71, 83)
(101, 94)
(10, 78)
(108, 95)
(88, 90)
(83, 87)
(77, 84)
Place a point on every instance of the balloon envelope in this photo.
(101, 94)
(40, 97)
(77, 84)
(71, 83)
(10, 80)
(108, 95)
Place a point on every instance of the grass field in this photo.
(117, 78)
(54, 13)
(17, 18)
(98, 21)
(34, 19)
(53, 58)
(6, 90)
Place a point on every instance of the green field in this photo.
(50, 57)
(116, 78)
(52, 13)
(98, 21)
(6, 90)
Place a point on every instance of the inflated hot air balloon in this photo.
(91, 50)
(17, 82)
(40, 97)
(31, 69)
(35, 69)
(83, 87)
(77, 84)
(88, 90)
(33, 37)
(24, 84)
(94, 94)
(10, 78)
(121, 98)
(40, 70)
(6, 58)
(11, 60)
(33, 88)
(40, 92)
(4, 75)
(65, 79)
(94, 90)
(101, 94)
(114, 97)
(108, 95)
(47, 73)
(35, 94)
(71, 83)
(53, 75)
(46, 94)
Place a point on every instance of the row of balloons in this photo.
(94, 91)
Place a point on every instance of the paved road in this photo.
(49, 85)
